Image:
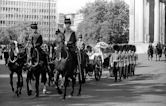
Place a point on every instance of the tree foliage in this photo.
(17, 32)
(105, 20)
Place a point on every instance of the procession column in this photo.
(156, 21)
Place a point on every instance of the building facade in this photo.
(147, 23)
(14, 12)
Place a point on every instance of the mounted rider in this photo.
(83, 57)
(70, 38)
(42, 60)
(13, 53)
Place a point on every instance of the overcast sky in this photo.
(72, 6)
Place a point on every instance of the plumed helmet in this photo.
(124, 47)
(79, 35)
(58, 31)
(34, 26)
(67, 21)
(120, 47)
(116, 47)
(134, 48)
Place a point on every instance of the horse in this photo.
(150, 52)
(38, 65)
(15, 65)
(66, 64)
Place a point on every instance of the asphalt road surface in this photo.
(147, 88)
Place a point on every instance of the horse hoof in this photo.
(59, 91)
(78, 94)
(30, 93)
(37, 95)
(64, 98)
(17, 93)
(13, 89)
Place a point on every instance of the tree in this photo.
(104, 20)
(18, 32)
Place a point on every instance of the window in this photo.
(4, 8)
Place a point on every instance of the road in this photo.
(147, 88)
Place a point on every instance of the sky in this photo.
(72, 6)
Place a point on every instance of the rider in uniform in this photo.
(70, 38)
(81, 49)
(37, 42)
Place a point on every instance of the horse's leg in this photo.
(11, 80)
(57, 84)
(29, 86)
(21, 83)
(80, 85)
(73, 83)
(37, 84)
(44, 80)
(65, 85)
(18, 83)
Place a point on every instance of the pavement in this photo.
(146, 88)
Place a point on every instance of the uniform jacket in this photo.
(37, 40)
(70, 37)
(114, 58)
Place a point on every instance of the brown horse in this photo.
(66, 64)
(39, 65)
(16, 64)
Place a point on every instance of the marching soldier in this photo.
(129, 60)
(132, 60)
(125, 59)
(120, 58)
(135, 58)
(114, 62)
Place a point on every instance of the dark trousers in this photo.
(115, 70)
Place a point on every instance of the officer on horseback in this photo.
(70, 37)
(42, 61)
(82, 55)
